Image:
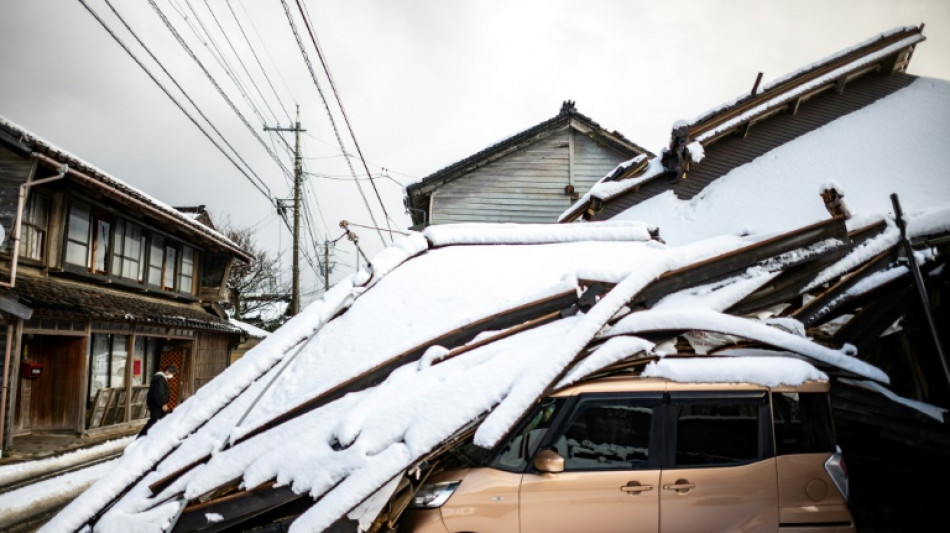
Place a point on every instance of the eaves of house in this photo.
(66, 299)
(28, 144)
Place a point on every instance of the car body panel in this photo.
(733, 498)
(592, 502)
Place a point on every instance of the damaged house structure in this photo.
(530, 177)
(102, 285)
(829, 247)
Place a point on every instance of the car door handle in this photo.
(681, 486)
(634, 487)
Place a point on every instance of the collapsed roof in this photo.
(855, 120)
(456, 332)
(452, 334)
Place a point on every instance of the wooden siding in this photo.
(53, 401)
(527, 186)
(211, 358)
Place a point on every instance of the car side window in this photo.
(522, 443)
(608, 433)
(802, 423)
(719, 429)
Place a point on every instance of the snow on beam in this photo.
(685, 320)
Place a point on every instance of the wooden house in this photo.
(100, 286)
(531, 177)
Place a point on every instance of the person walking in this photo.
(158, 397)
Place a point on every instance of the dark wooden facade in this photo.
(100, 286)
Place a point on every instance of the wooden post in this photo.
(919, 282)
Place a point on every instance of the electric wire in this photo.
(240, 61)
(273, 63)
(346, 119)
(261, 187)
(219, 56)
(185, 93)
(230, 103)
(313, 76)
(209, 43)
(260, 65)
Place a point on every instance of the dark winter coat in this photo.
(158, 395)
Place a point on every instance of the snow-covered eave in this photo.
(76, 165)
(252, 331)
(607, 189)
(914, 37)
(787, 96)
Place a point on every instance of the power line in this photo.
(346, 119)
(313, 76)
(240, 61)
(262, 187)
(234, 108)
(258, 59)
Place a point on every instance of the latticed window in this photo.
(34, 227)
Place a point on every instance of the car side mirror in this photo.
(549, 461)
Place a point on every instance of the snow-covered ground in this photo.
(34, 499)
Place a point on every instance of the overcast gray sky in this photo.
(424, 83)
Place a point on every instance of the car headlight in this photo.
(433, 495)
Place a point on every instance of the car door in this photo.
(720, 472)
(610, 481)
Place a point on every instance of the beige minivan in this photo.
(635, 455)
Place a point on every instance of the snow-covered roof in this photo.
(890, 146)
(459, 330)
(40, 145)
(894, 145)
(252, 330)
(461, 327)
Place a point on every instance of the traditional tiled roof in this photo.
(59, 298)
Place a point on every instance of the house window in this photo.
(34, 227)
(156, 260)
(77, 236)
(100, 244)
(129, 250)
(145, 357)
(186, 273)
(109, 354)
(171, 267)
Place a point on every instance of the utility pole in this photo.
(298, 176)
(326, 265)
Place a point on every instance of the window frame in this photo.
(32, 229)
(161, 264)
(71, 236)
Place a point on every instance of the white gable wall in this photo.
(526, 186)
